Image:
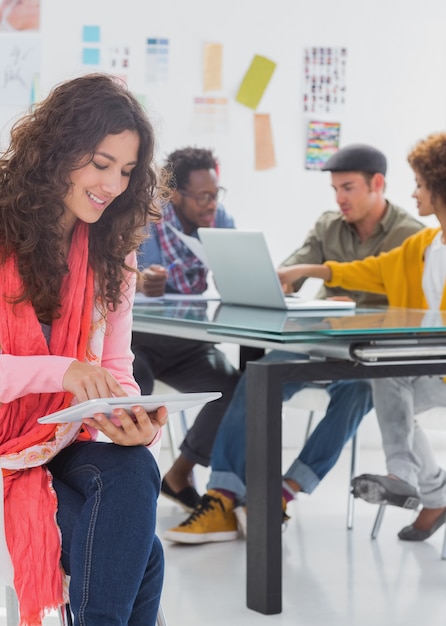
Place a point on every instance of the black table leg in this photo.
(264, 459)
(264, 495)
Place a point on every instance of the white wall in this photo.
(396, 91)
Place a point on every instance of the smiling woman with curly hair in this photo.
(77, 188)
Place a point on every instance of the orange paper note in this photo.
(212, 67)
(264, 146)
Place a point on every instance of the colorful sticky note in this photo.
(212, 66)
(90, 56)
(91, 34)
(255, 81)
(264, 146)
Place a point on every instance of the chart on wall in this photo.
(324, 84)
(322, 143)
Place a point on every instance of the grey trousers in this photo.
(408, 452)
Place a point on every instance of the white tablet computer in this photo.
(173, 402)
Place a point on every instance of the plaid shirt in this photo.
(164, 247)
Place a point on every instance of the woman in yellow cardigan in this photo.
(413, 276)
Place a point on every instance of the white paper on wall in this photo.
(19, 68)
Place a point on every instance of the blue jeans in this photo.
(106, 513)
(350, 400)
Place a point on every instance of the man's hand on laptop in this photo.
(153, 281)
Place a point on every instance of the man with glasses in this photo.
(168, 265)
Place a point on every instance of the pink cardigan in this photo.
(20, 375)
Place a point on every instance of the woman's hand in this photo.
(289, 274)
(126, 430)
(87, 382)
(287, 277)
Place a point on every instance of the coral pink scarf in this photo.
(32, 535)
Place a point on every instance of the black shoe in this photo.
(384, 490)
(410, 533)
(188, 498)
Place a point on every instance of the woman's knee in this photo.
(137, 460)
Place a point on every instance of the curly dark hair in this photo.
(428, 158)
(46, 145)
(180, 163)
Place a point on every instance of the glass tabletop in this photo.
(292, 326)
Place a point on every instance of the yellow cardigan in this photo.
(397, 273)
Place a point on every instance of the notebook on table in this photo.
(244, 273)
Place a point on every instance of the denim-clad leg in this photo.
(107, 511)
(350, 401)
(187, 365)
(408, 452)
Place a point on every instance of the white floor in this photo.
(331, 576)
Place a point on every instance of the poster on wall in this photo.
(322, 143)
(157, 60)
(91, 40)
(210, 116)
(324, 80)
(19, 69)
(19, 15)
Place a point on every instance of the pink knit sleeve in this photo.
(20, 375)
(117, 356)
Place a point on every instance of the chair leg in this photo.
(309, 425)
(184, 429)
(160, 619)
(378, 520)
(172, 439)
(443, 551)
(351, 499)
(65, 617)
(12, 607)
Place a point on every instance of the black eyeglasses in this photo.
(204, 199)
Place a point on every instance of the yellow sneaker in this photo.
(212, 520)
(240, 514)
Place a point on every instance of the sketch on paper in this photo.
(19, 69)
(324, 80)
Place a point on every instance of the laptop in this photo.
(244, 273)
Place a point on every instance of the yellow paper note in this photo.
(255, 81)
(264, 146)
(212, 66)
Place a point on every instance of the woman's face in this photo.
(96, 184)
(423, 197)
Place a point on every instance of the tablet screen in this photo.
(173, 402)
